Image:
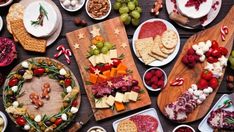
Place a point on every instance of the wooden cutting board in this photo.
(107, 29)
(170, 94)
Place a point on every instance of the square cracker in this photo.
(156, 57)
(156, 49)
(141, 44)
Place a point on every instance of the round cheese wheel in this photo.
(31, 15)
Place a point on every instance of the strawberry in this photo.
(207, 75)
(223, 51)
(214, 44)
(148, 76)
(185, 59)
(214, 83)
(202, 83)
(159, 73)
(191, 51)
(216, 53)
(211, 59)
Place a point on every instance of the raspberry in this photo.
(159, 73)
(185, 59)
(191, 51)
(154, 80)
(191, 58)
(154, 86)
(148, 76)
(160, 83)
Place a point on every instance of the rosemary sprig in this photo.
(121, 57)
(40, 18)
(230, 120)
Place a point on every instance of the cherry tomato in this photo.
(92, 69)
(58, 121)
(67, 82)
(214, 44)
(13, 82)
(74, 103)
(38, 71)
(20, 121)
(223, 51)
(116, 62)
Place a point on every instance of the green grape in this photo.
(108, 45)
(99, 45)
(117, 5)
(104, 50)
(123, 10)
(138, 9)
(135, 14)
(233, 53)
(136, 2)
(124, 4)
(96, 51)
(135, 22)
(231, 59)
(128, 21)
(124, 17)
(118, 0)
(91, 52)
(131, 5)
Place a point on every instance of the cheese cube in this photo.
(100, 59)
(113, 54)
(107, 57)
(126, 97)
(110, 100)
(119, 97)
(92, 60)
(133, 96)
(101, 103)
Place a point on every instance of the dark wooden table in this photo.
(68, 26)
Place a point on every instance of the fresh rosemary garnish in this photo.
(40, 18)
(230, 120)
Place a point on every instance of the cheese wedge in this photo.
(133, 96)
(113, 54)
(110, 100)
(101, 103)
(126, 97)
(119, 97)
(92, 60)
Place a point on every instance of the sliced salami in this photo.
(145, 123)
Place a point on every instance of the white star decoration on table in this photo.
(124, 45)
(109, 83)
(95, 31)
(93, 47)
(80, 35)
(125, 78)
(116, 31)
(97, 72)
(76, 46)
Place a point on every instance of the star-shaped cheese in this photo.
(124, 45)
(94, 47)
(223, 60)
(80, 35)
(95, 31)
(109, 83)
(209, 66)
(97, 72)
(116, 31)
(110, 62)
(125, 78)
(76, 46)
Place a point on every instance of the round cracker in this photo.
(127, 126)
(169, 39)
(16, 7)
(165, 50)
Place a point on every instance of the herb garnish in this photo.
(40, 18)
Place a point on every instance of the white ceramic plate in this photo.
(204, 126)
(4, 119)
(151, 111)
(56, 34)
(1, 23)
(171, 56)
(82, 2)
(210, 16)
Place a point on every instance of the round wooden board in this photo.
(51, 106)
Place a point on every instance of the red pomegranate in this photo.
(7, 51)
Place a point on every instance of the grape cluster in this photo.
(130, 11)
(231, 59)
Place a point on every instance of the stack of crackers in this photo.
(15, 26)
(157, 48)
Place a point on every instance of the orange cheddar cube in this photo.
(107, 73)
(93, 78)
(119, 106)
(113, 72)
(101, 78)
(121, 67)
(119, 73)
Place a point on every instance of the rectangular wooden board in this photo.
(107, 29)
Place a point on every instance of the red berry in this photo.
(148, 76)
(216, 53)
(13, 82)
(160, 83)
(214, 44)
(159, 73)
(154, 86)
(185, 59)
(214, 83)
(149, 83)
(20, 121)
(191, 58)
(67, 82)
(202, 83)
(207, 75)
(116, 61)
(197, 58)
(92, 69)
(153, 72)
(191, 64)
(223, 51)
(154, 80)
(191, 51)
(212, 59)
(209, 52)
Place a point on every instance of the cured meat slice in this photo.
(145, 123)
(151, 29)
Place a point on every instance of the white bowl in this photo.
(4, 119)
(183, 126)
(149, 87)
(99, 18)
(81, 5)
(1, 23)
(7, 3)
(96, 127)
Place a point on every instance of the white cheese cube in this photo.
(101, 103)
(110, 100)
(100, 59)
(92, 60)
(113, 54)
(126, 97)
(107, 57)
(119, 97)
(133, 96)
(195, 47)
(201, 45)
